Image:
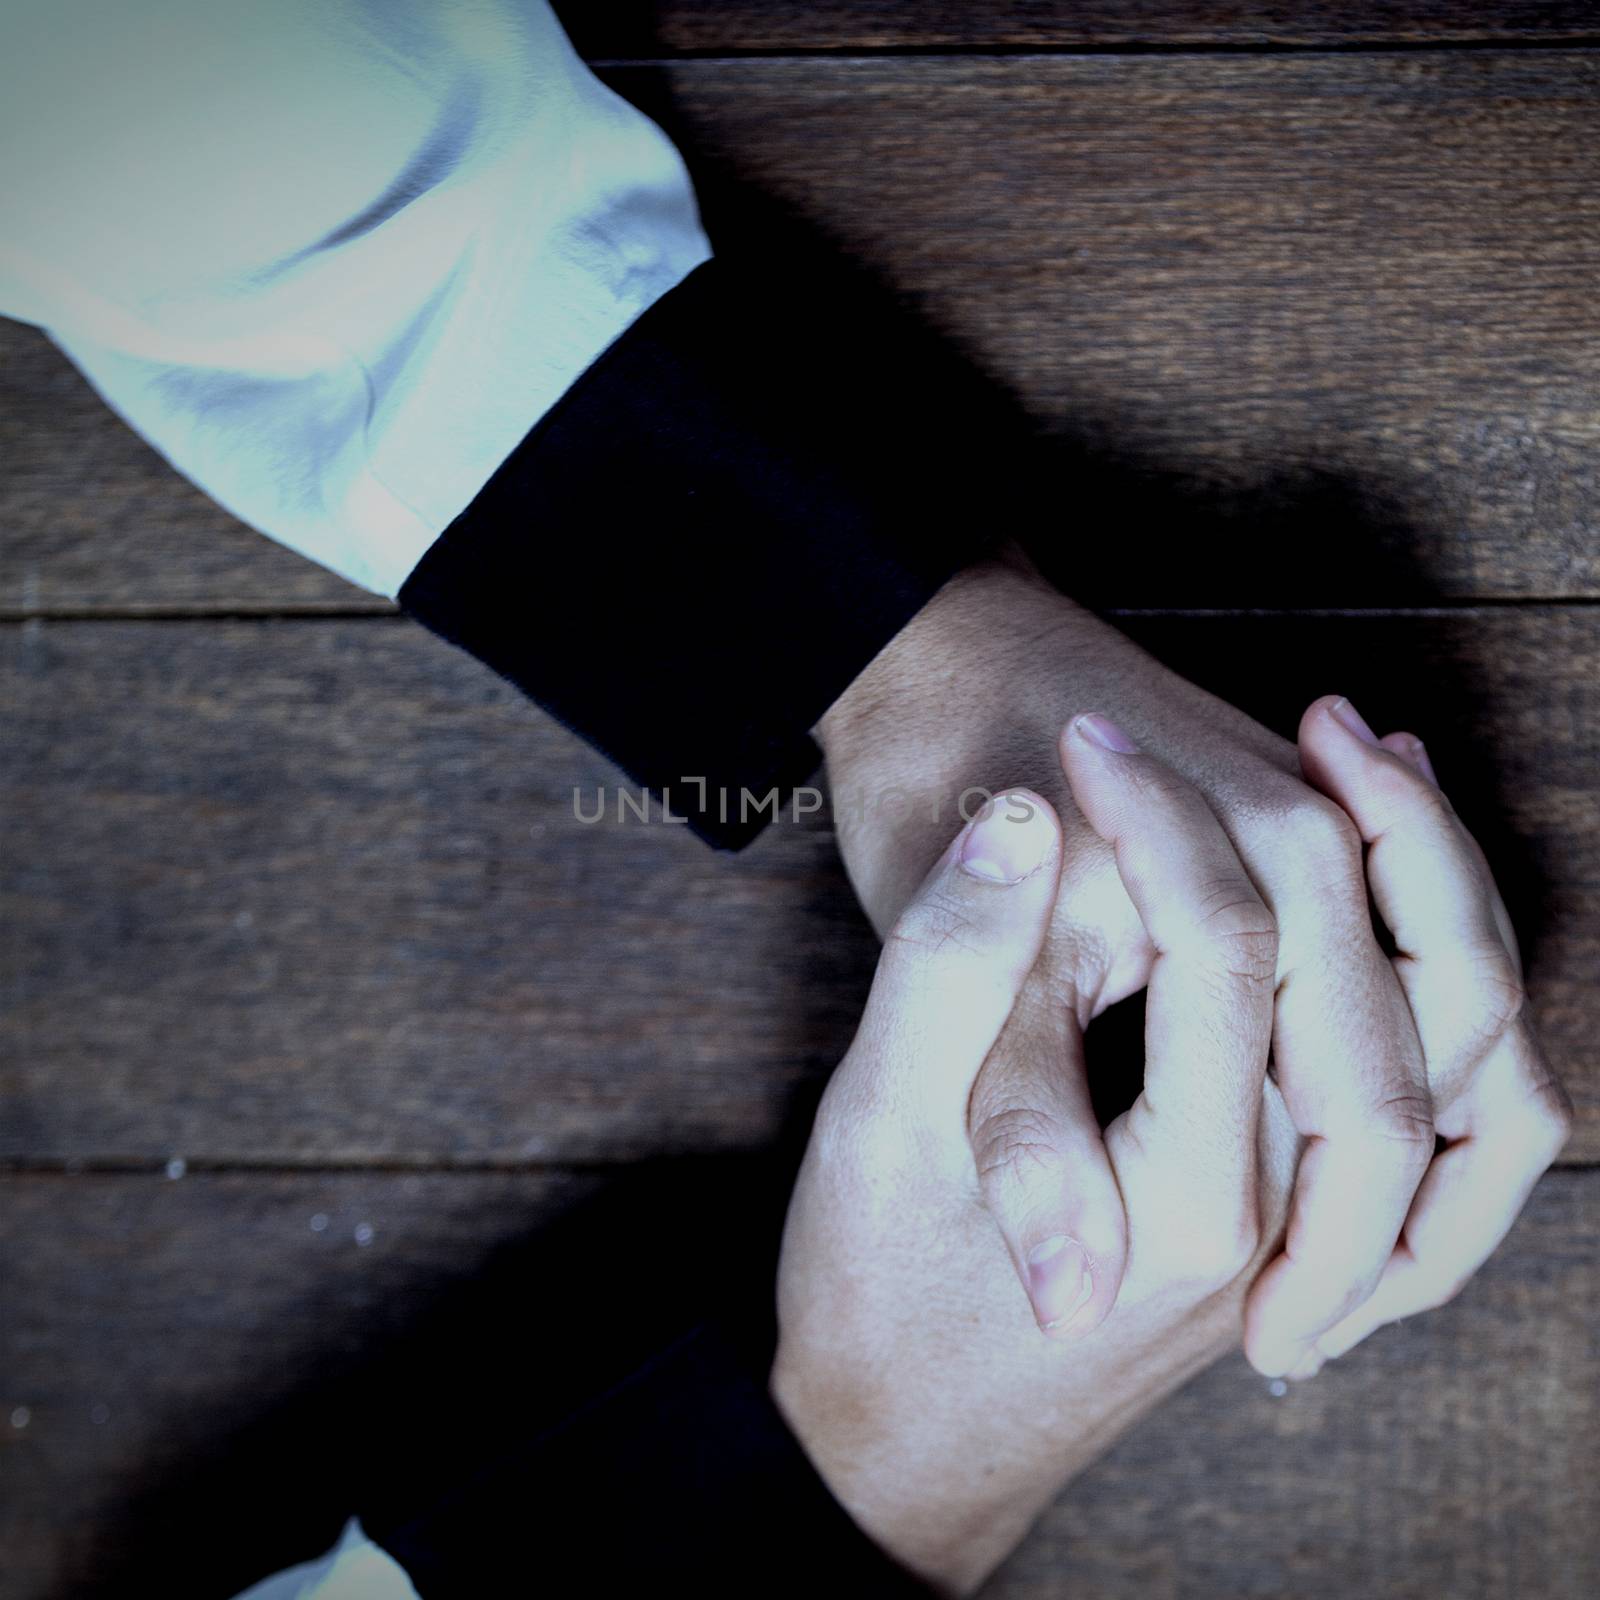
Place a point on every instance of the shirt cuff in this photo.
(710, 535)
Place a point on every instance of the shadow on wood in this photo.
(448, 1375)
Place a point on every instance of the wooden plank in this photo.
(313, 891)
(166, 1338)
(1256, 307)
(211, 1385)
(1266, 308)
(651, 28)
(312, 839)
(1456, 1453)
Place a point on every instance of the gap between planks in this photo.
(312, 612)
(1565, 44)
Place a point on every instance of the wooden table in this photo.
(317, 997)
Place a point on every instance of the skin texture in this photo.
(908, 1365)
(915, 1375)
(1499, 1111)
(973, 692)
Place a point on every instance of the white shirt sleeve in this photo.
(355, 1569)
(333, 258)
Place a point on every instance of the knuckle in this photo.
(1319, 834)
(905, 944)
(1323, 828)
(1013, 1144)
(1239, 932)
(928, 932)
(1498, 992)
(1405, 1118)
(1547, 1114)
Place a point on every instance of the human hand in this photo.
(907, 1364)
(978, 685)
(1500, 1113)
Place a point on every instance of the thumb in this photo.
(953, 964)
(1044, 1171)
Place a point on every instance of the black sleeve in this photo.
(683, 1477)
(701, 545)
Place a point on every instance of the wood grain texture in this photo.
(313, 891)
(361, 921)
(670, 27)
(151, 1325)
(188, 1352)
(1454, 1454)
(1267, 305)
(1254, 307)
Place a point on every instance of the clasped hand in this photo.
(980, 1289)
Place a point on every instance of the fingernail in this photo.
(1059, 1283)
(1105, 733)
(1007, 841)
(1351, 720)
(1419, 754)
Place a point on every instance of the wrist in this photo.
(888, 1486)
(969, 697)
(979, 619)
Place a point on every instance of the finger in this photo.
(1209, 1011)
(1353, 1076)
(1425, 875)
(1042, 1164)
(1412, 751)
(1504, 1110)
(1469, 1200)
(955, 960)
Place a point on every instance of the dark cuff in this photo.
(714, 530)
(684, 1478)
